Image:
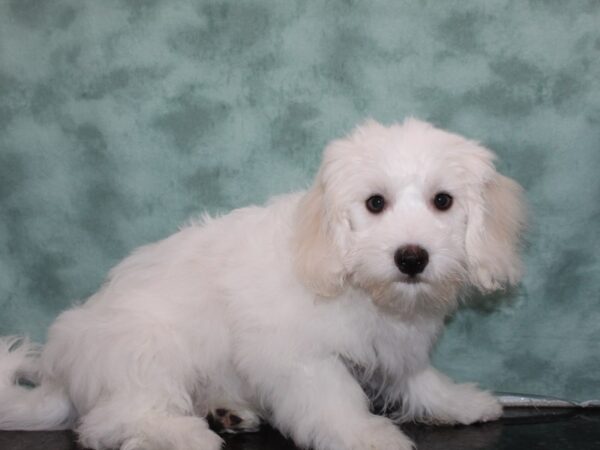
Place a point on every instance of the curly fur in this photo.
(293, 312)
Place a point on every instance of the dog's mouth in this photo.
(416, 279)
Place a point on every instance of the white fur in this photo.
(290, 312)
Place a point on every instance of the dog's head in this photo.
(408, 212)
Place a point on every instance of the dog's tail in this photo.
(27, 401)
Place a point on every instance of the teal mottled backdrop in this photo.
(121, 119)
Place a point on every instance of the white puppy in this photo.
(303, 312)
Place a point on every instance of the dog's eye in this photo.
(375, 204)
(442, 201)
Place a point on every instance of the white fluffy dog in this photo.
(303, 313)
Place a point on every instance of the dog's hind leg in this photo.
(233, 420)
(131, 425)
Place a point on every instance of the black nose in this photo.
(411, 259)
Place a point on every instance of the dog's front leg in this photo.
(320, 405)
(432, 397)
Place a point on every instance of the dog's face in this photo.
(410, 212)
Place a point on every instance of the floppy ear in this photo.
(496, 219)
(318, 259)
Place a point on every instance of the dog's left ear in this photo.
(496, 219)
(322, 228)
(318, 259)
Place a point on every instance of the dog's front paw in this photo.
(470, 405)
(382, 434)
(490, 410)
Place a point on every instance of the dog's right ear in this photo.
(318, 259)
(496, 221)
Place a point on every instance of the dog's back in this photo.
(156, 333)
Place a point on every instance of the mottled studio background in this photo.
(121, 119)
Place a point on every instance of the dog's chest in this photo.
(371, 340)
(398, 350)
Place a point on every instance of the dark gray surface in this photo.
(560, 431)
